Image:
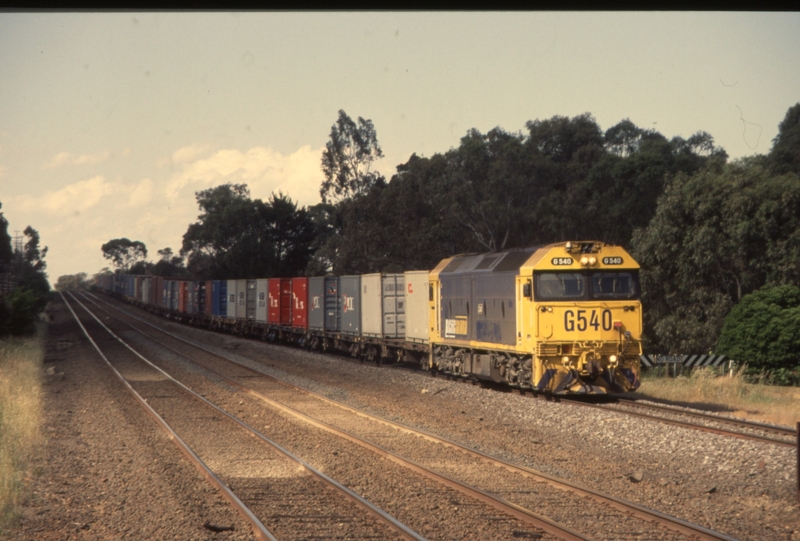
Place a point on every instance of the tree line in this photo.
(707, 231)
(24, 287)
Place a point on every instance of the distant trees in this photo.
(124, 253)
(236, 237)
(71, 282)
(20, 308)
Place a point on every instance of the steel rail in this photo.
(644, 513)
(403, 530)
(789, 432)
(685, 424)
(518, 512)
(259, 530)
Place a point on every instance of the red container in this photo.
(286, 301)
(274, 301)
(299, 302)
(209, 298)
(183, 296)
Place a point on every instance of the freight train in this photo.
(564, 318)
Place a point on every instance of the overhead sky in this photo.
(110, 122)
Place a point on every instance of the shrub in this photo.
(764, 331)
(21, 310)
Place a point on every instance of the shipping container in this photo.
(183, 296)
(274, 301)
(261, 293)
(175, 295)
(333, 309)
(371, 306)
(158, 291)
(417, 306)
(382, 305)
(209, 298)
(241, 299)
(232, 299)
(299, 287)
(316, 303)
(280, 301)
(350, 305)
(251, 300)
(394, 306)
(198, 297)
(219, 298)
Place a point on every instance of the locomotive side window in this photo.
(559, 285)
(615, 285)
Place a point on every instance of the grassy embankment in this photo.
(729, 394)
(20, 418)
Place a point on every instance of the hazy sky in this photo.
(110, 122)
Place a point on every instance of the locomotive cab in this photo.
(587, 319)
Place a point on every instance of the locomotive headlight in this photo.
(592, 260)
(565, 360)
(584, 261)
(613, 358)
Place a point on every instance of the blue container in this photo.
(219, 298)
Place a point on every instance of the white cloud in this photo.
(141, 194)
(263, 169)
(74, 198)
(66, 158)
(76, 219)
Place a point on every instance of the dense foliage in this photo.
(20, 308)
(237, 237)
(764, 331)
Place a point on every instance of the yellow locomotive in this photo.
(563, 318)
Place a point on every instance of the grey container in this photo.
(350, 305)
(333, 310)
(394, 306)
(261, 307)
(241, 299)
(231, 300)
(252, 300)
(316, 303)
(382, 305)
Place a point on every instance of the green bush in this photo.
(764, 331)
(20, 311)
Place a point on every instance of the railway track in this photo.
(298, 494)
(697, 420)
(567, 503)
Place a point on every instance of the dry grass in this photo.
(20, 418)
(730, 394)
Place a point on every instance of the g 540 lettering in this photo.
(581, 320)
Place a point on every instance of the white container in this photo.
(371, 306)
(417, 308)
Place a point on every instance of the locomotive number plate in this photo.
(612, 261)
(561, 261)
